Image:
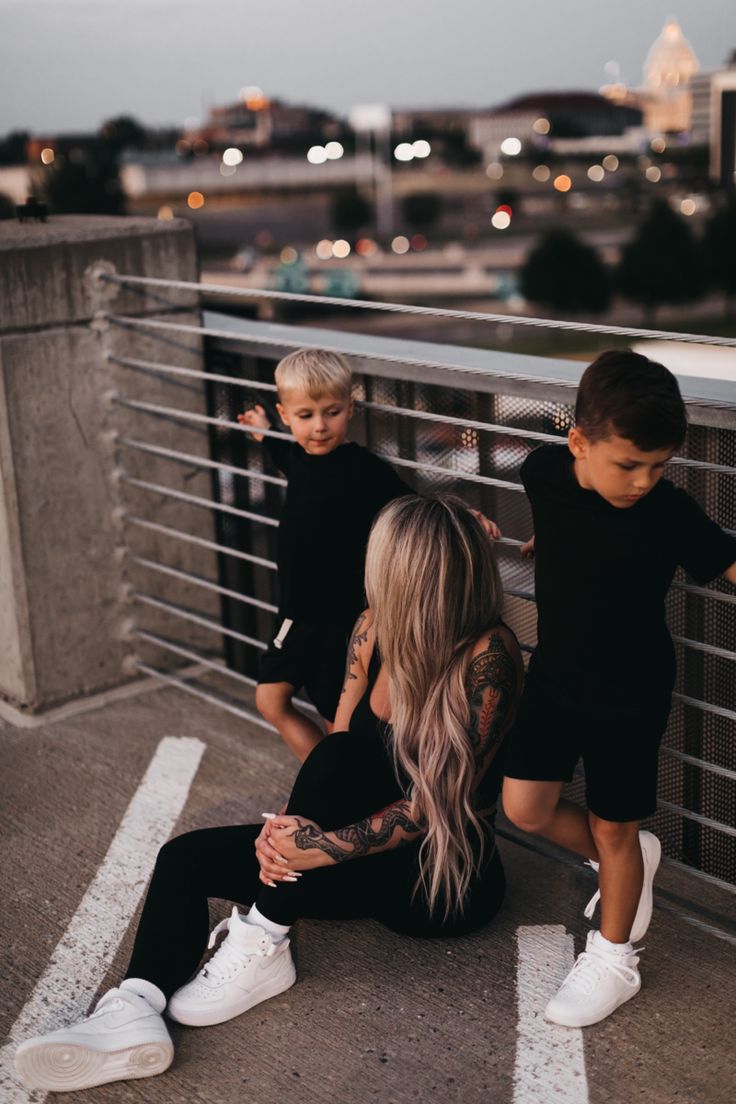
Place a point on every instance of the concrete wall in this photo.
(63, 576)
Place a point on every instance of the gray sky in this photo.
(70, 64)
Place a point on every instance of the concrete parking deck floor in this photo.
(374, 1017)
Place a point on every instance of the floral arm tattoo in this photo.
(358, 637)
(388, 828)
(491, 682)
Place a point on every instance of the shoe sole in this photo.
(573, 1021)
(66, 1067)
(207, 1017)
(652, 854)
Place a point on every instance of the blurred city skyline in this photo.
(67, 65)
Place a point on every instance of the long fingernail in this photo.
(289, 878)
(281, 859)
(273, 885)
(269, 816)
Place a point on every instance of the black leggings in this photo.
(346, 777)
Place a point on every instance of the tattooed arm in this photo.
(493, 683)
(356, 670)
(305, 845)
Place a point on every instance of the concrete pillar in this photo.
(63, 573)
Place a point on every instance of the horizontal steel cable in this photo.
(451, 473)
(178, 649)
(693, 761)
(191, 416)
(707, 822)
(193, 373)
(218, 668)
(711, 879)
(177, 534)
(402, 308)
(709, 649)
(191, 458)
(198, 580)
(195, 500)
(706, 707)
(195, 618)
(203, 695)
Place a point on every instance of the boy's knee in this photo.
(525, 807)
(525, 815)
(272, 699)
(612, 835)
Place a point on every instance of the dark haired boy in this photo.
(609, 535)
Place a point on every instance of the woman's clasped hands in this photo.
(287, 846)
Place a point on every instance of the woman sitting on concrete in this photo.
(432, 682)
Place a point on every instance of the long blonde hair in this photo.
(433, 587)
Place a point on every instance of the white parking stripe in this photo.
(86, 949)
(550, 1061)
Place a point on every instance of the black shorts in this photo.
(619, 747)
(313, 657)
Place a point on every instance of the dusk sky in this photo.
(70, 64)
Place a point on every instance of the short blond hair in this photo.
(315, 372)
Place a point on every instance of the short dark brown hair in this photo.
(625, 394)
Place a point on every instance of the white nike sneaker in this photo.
(651, 853)
(599, 982)
(247, 968)
(124, 1038)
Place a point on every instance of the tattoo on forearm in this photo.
(363, 837)
(358, 637)
(491, 684)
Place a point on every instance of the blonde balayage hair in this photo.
(314, 372)
(433, 587)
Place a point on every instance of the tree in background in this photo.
(349, 211)
(719, 242)
(85, 181)
(663, 263)
(123, 132)
(421, 210)
(13, 148)
(564, 273)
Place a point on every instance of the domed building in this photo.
(670, 66)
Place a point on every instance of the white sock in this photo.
(276, 931)
(614, 948)
(147, 990)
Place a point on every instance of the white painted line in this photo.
(86, 949)
(550, 1060)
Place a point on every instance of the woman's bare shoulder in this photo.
(495, 657)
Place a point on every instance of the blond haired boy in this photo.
(335, 489)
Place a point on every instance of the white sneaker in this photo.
(651, 853)
(248, 968)
(124, 1038)
(598, 983)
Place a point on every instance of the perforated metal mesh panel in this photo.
(469, 454)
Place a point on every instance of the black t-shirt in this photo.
(602, 574)
(328, 511)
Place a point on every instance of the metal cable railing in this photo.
(403, 308)
(135, 445)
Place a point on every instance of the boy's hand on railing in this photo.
(489, 527)
(527, 549)
(256, 416)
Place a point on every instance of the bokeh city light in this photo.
(232, 156)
